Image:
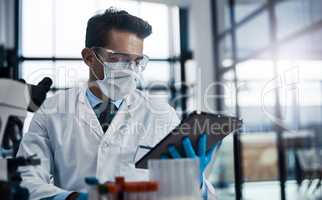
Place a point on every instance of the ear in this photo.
(96, 70)
(89, 57)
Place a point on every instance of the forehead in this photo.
(124, 41)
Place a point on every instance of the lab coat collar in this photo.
(125, 112)
(86, 114)
(94, 100)
(129, 100)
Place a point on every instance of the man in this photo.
(96, 130)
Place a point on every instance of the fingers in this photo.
(202, 145)
(173, 151)
(190, 152)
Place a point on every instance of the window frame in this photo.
(174, 89)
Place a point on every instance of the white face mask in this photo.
(119, 81)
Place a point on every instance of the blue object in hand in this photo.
(202, 153)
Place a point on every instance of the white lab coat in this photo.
(66, 135)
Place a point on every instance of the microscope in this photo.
(16, 98)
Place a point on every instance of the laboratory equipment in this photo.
(108, 191)
(92, 183)
(178, 178)
(200, 153)
(16, 98)
(140, 191)
(122, 190)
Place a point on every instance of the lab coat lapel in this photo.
(119, 123)
(122, 119)
(87, 115)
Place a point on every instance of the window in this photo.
(291, 71)
(53, 35)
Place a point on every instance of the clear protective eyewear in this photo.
(135, 62)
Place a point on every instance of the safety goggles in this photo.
(138, 62)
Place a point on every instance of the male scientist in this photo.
(95, 130)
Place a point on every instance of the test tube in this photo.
(103, 192)
(108, 191)
(113, 191)
(178, 178)
(92, 184)
(119, 180)
(140, 190)
(122, 190)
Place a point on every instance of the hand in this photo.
(202, 153)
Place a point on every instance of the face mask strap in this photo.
(99, 60)
(132, 66)
(140, 80)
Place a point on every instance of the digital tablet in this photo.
(216, 126)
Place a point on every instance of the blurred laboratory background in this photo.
(260, 60)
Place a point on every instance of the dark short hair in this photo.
(99, 25)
